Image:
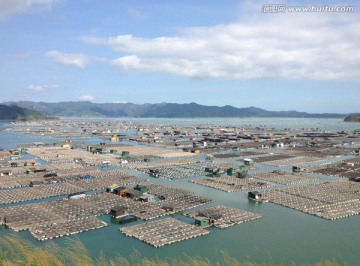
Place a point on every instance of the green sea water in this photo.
(282, 235)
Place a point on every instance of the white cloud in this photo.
(8, 7)
(86, 98)
(319, 46)
(40, 88)
(78, 60)
(136, 14)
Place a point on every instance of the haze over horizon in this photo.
(210, 53)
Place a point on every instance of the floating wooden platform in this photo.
(224, 216)
(330, 200)
(163, 232)
(231, 184)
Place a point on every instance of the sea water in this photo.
(282, 235)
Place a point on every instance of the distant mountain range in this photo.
(164, 110)
(16, 113)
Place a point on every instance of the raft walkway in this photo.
(284, 178)
(330, 200)
(52, 190)
(51, 219)
(224, 216)
(163, 232)
(231, 184)
(179, 170)
(47, 220)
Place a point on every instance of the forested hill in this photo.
(16, 113)
(165, 110)
(352, 118)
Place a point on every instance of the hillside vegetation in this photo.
(16, 113)
(352, 118)
(165, 110)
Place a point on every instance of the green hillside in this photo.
(16, 113)
(352, 118)
(168, 110)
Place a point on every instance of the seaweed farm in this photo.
(167, 188)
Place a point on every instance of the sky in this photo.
(239, 53)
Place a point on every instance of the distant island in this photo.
(160, 110)
(352, 118)
(16, 113)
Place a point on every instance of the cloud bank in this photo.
(317, 46)
(41, 88)
(78, 60)
(86, 98)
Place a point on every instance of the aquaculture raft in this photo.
(330, 200)
(231, 184)
(163, 232)
(224, 216)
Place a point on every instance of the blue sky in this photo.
(209, 52)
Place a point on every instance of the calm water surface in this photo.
(282, 235)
